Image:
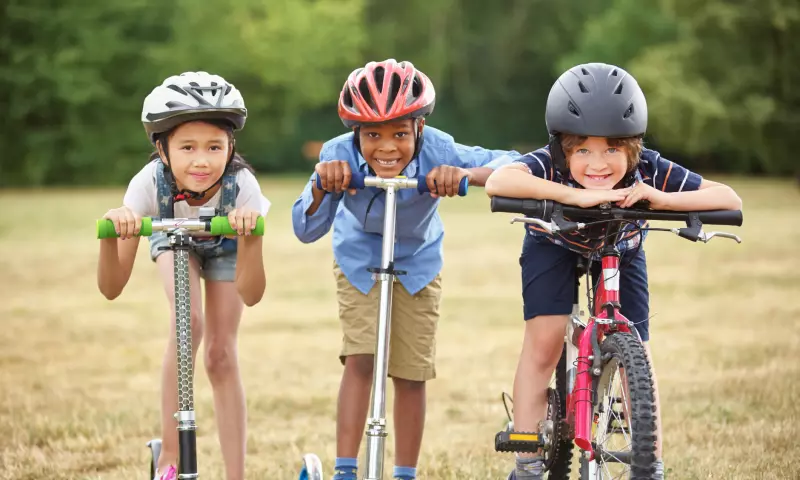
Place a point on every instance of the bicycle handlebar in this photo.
(360, 181)
(215, 225)
(542, 211)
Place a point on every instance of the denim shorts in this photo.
(217, 260)
(548, 282)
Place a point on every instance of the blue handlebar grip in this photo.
(422, 186)
(356, 181)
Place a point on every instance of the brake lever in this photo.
(706, 237)
(548, 226)
(703, 236)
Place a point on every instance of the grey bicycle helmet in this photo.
(594, 100)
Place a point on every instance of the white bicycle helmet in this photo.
(192, 96)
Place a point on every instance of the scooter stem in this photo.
(376, 423)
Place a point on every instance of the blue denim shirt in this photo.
(357, 231)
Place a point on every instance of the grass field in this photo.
(79, 375)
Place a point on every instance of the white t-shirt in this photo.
(142, 197)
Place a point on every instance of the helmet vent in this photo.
(584, 71)
(628, 112)
(618, 91)
(573, 109)
(177, 89)
(379, 73)
(583, 87)
(363, 89)
(394, 89)
(348, 98)
(614, 73)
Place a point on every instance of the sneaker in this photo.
(170, 474)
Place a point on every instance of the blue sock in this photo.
(346, 469)
(405, 473)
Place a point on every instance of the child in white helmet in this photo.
(191, 119)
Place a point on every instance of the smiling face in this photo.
(388, 147)
(595, 164)
(198, 154)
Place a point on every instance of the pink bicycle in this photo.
(603, 399)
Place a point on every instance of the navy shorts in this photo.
(548, 282)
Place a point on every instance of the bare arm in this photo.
(317, 195)
(515, 181)
(710, 196)
(479, 175)
(115, 265)
(250, 277)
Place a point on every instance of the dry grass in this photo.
(79, 375)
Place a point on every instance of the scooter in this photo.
(386, 274)
(180, 242)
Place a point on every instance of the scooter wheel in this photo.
(155, 451)
(312, 467)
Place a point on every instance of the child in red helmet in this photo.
(385, 105)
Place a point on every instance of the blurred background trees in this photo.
(722, 78)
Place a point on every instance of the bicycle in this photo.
(583, 408)
(386, 274)
(180, 242)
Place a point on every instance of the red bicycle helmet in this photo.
(383, 91)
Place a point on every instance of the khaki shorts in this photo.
(414, 320)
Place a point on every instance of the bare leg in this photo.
(223, 313)
(409, 420)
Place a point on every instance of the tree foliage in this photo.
(720, 77)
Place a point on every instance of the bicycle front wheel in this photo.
(624, 418)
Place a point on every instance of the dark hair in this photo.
(236, 163)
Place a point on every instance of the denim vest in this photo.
(166, 201)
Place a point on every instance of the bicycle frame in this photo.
(605, 318)
(582, 352)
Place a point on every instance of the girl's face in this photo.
(388, 147)
(198, 154)
(596, 165)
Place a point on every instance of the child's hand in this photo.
(334, 176)
(592, 198)
(658, 200)
(243, 220)
(443, 180)
(126, 223)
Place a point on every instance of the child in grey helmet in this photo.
(596, 116)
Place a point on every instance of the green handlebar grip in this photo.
(105, 228)
(221, 226)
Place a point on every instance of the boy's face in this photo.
(388, 147)
(596, 165)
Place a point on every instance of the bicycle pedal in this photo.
(525, 442)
